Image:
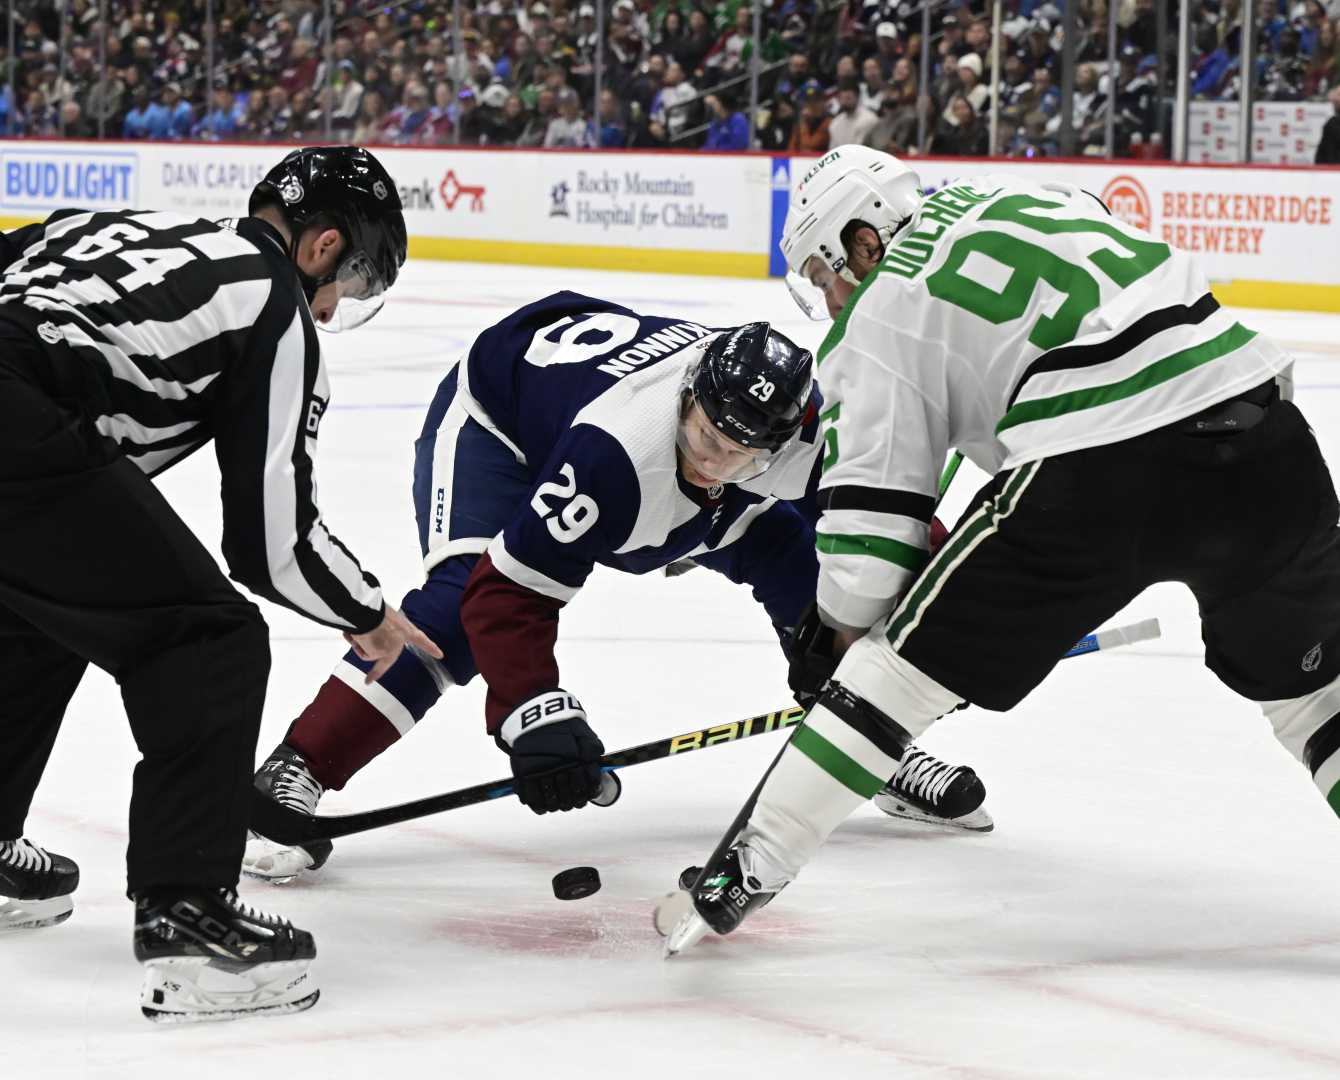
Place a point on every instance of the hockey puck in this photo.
(576, 883)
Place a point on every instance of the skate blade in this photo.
(264, 860)
(34, 914)
(678, 921)
(976, 821)
(190, 990)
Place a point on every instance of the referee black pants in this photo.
(95, 567)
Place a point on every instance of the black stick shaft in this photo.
(285, 826)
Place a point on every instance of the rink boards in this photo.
(1267, 234)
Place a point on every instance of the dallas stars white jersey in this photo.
(1010, 321)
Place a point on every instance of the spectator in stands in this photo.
(1328, 149)
(887, 48)
(810, 135)
(647, 83)
(347, 93)
(1218, 67)
(280, 122)
(441, 116)
(1285, 72)
(511, 124)
(1322, 65)
(1269, 23)
(965, 136)
(670, 114)
(408, 122)
(180, 115)
(1137, 100)
(852, 122)
(613, 127)
(40, 116)
(105, 101)
(537, 123)
(670, 34)
(136, 123)
(895, 128)
(796, 75)
(469, 121)
(697, 42)
(873, 85)
(1042, 96)
(569, 128)
(1038, 43)
(371, 119)
(219, 121)
(970, 81)
(727, 128)
(733, 47)
(776, 123)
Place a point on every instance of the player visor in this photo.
(360, 292)
(709, 455)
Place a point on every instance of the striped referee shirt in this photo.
(170, 332)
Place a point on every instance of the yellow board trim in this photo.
(1241, 292)
(1277, 294)
(647, 260)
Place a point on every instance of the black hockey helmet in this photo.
(754, 385)
(348, 187)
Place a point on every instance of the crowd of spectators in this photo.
(673, 73)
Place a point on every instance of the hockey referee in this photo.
(128, 340)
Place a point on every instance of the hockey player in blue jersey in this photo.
(578, 432)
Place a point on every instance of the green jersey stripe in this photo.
(1334, 798)
(959, 542)
(849, 773)
(1160, 371)
(880, 547)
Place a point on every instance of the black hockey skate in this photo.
(35, 886)
(926, 789)
(719, 903)
(208, 956)
(285, 778)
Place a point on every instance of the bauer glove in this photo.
(555, 755)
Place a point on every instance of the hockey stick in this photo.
(289, 827)
(285, 826)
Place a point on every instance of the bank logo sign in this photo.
(42, 179)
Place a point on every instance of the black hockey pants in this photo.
(95, 567)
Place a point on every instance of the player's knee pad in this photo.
(878, 675)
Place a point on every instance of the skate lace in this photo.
(24, 855)
(924, 775)
(248, 912)
(293, 786)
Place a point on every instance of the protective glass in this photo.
(361, 294)
(712, 455)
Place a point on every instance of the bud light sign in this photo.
(52, 179)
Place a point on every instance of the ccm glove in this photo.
(555, 755)
(811, 656)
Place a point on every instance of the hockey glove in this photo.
(811, 653)
(555, 755)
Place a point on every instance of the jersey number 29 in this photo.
(575, 518)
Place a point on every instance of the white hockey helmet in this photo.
(851, 183)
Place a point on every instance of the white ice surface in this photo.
(1160, 897)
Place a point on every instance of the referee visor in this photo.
(360, 292)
